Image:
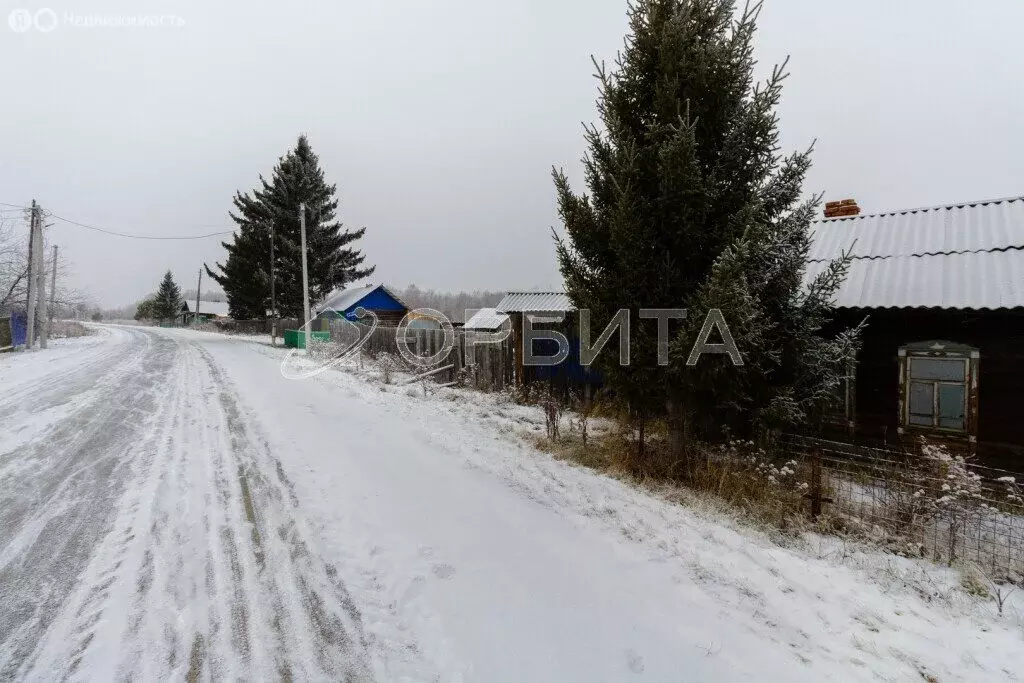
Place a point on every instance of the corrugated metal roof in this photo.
(981, 226)
(968, 256)
(486, 319)
(976, 280)
(535, 302)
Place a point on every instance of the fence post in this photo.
(815, 494)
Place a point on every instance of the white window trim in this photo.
(945, 351)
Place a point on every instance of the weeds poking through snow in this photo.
(1001, 593)
(583, 407)
(553, 408)
(387, 365)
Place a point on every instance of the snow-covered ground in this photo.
(171, 506)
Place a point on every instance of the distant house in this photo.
(377, 299)
(942, 289)
(208, 310)
(568, 374)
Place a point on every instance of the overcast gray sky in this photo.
(440, 120)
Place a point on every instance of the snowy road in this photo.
(171, 507)
(146, 532)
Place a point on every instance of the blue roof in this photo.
(370, 297)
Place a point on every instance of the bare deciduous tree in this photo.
(14, 269)
(13, 260)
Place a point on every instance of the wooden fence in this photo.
(260, 326)
(489, 367)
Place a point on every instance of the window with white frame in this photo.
(938, 381)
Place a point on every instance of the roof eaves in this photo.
(1019, 309)
(880, 257)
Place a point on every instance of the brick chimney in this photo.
(844, 207)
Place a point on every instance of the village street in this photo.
(172, 507)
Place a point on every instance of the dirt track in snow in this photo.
(147, 532)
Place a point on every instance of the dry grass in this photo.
(63, 329)
(705, 476)
(906, 509)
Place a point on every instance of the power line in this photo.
(138, 237)
(50, 214)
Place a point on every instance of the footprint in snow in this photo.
(443, 571)
(635, 662)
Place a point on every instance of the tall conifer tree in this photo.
(274, 207)
(691, 205)
(167, 302)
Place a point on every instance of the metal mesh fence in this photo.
(925, 502)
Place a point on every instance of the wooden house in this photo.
(378, 299)
(208, 310)
(942, 293)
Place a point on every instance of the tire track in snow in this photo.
(198, 563)
(312, 611)
(77, 471)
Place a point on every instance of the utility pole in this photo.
(273, 290)
(41, 280)
(305, 277)
(199, 288)
(30, 336)
(53, 291)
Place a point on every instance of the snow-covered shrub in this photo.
(1013, 491)
(61, 329)
(743, 474)
(387, 365)
(956, 495)
(323, 349)
(974, 581)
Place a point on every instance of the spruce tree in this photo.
(144, 309)
(274, 207)
(167, 302)
(692, 206)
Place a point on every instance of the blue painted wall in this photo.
(570, 371)
(19, 327)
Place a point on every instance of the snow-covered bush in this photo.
(1013, 491)
(323, 349)
(387, 364)
(953, 492)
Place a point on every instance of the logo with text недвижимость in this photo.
(45, 20)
